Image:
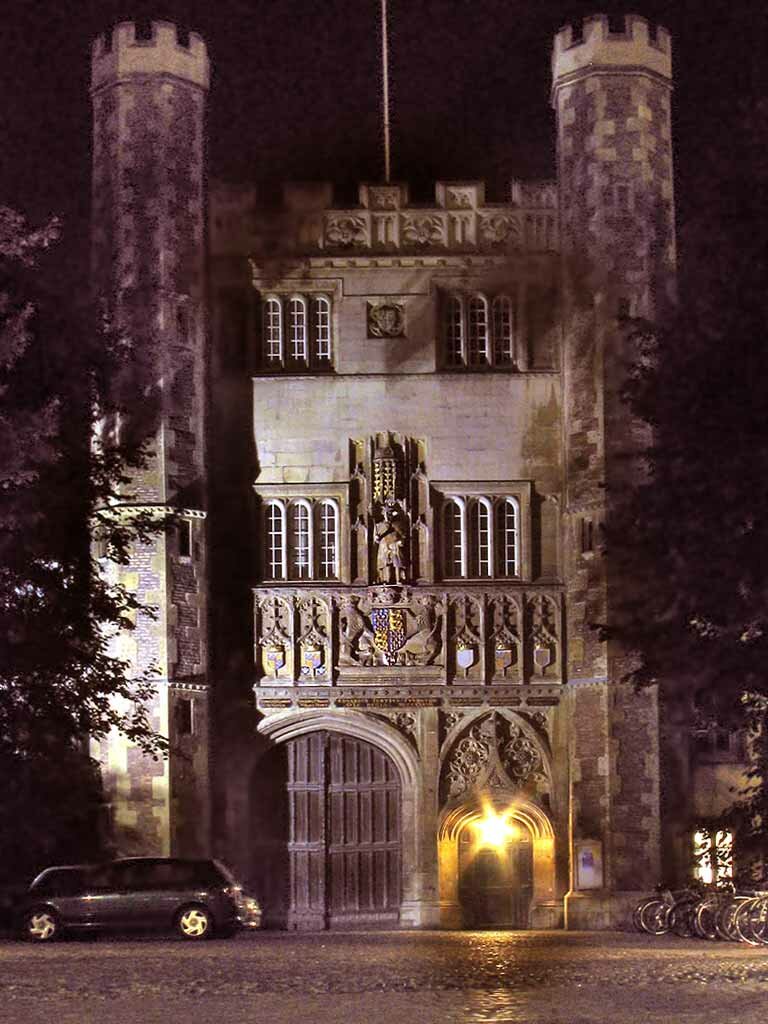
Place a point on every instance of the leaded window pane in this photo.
(275, 542)
(297, 316)
(327, 563)
(322, 323)
(481, 538)
(477, 324)
(301, 560)
(454, 542)
(507, 539)
(454, 330)
(273, 332)
(503, 331)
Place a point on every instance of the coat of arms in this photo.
(465, 654)
(274, 658)
(385, 320)
(389, 633)
(312, 662)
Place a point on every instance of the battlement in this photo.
(460, 220)
(600, 48)
(120, 54)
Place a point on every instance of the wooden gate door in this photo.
(344, 844)
(495, 886)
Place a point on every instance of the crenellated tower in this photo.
(612, 82)
(149, 98)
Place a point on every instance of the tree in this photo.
(61, 368)
(691, 538)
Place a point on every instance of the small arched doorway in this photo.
(495, 881)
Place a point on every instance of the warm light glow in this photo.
(494, 830)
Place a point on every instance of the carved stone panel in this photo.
(494, 637)
(544, 649)
(314, 639)
(386, 319)
(274, 629)
(465, 639)
(498, 751)
(387, 626)
(505, 648)
(346, 231)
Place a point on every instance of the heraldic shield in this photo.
(388, 632)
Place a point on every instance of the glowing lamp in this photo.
(494, 830)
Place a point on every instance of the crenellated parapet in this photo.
(121, 54)
(385, 221)
(594, 46)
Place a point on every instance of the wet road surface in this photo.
(362, 978)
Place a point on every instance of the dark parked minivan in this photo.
(197, 898)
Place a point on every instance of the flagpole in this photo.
(385, 85)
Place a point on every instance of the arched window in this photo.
(477, 329)
(273, 332)
(274, 528)
(504, 331)
(297, 332)
(480, 333)
(454, 331)
(507, 538)
(328, 540)
(321, 321)
(297, 321)
(481, 538)
(454, 546)
(301, 539)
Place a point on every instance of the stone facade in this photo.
(393, 435)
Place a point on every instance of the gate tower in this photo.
(149, 97)
(612, 81)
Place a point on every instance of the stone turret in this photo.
(149, 98)
(611, 85)
(611, 91)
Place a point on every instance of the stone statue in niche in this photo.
(391, 536)
(356, 636)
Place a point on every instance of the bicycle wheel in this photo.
(681, 918)
(757, 927)
(704, 919)
(637, 912)
(724, 918)
(654, 917)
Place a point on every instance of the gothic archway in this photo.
(496, 763)
(350, 791)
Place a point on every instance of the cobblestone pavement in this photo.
(362, 978)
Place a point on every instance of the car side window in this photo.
(132, 876)
(101, 879)
(61, 883)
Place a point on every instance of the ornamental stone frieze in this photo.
(407, 634)
(459, 221)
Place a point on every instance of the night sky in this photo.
(296, 89)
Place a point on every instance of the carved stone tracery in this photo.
(495, 752)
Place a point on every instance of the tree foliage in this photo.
(692, 537)
(690, 541)
(60, 684)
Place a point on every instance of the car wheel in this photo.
(41, 925)
(195, 922)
